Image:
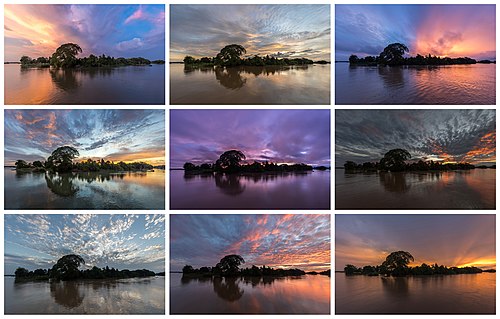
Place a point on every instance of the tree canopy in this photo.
(394, 160)
(66, 267)
(229, 265)
(230, 159)
(62, 158)
(230, 55)
(393, 54)
(65, 55)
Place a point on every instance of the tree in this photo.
(350, 165)
(353, 59)
(65, 55)
(21, 164)
(350, 269)
(189, 166)
(66, 267)
(21, 272)
(25, 60)
(230, 55)
(188, 269)
(393, 54)
(396, 263)
(61, 159)
(37, 164)
(189, 60)
(229, 264)
(394, 160)
(230, 160)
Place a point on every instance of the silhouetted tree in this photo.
(229, 265)
(394, 160)
(230, 55)
(61, 158)
(230, 160)
(393, 54)
(65, 55)
(396, 263)
(66, 267)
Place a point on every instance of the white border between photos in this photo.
(167, 109)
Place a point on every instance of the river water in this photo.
(250, 85)
(132, 190)
(299, 190)
(99, 296)
(459, 294)
(468, 189)
(452, 84)
(307, 294)
(120, 85)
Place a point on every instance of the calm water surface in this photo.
(292, 295)
(121, 85)
(452, 84)
(250, 85)
(121, 296)
(307, 190)
(132, 190)
(461, 294)
(473, 189)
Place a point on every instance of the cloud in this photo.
(451, 135)
(301, 241)
(115, 240)
(135, 43)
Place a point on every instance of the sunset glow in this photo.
(278, 241)
(449, 240)
(441, 30)
(283, 31)
(446, 136)
(112, 135)
(116, 30)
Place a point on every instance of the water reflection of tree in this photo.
(66, 293)
(64, 79)
(393, 77)
(229, 78)
(61, 184)
(227, 288)
(394, 182)
(229, 184)
(395, 286)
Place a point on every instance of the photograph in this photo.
(84, 264)
(415, 264)
(84, 54)
(250, 159)
(250, 264)
(84, 159)
(415, 159)
(250, 54)
(415, 54)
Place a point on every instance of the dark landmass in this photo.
(229, 162)
(231, 54)
(229, 267)
(393, 56)
(395, 161)
(66, 268)
(396, 265)
(61, 160)
(66, 57)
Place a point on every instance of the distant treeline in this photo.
(66, 268)
(66, 57)
(396, 264)
(230, 55)
(393, 55)
(229, 266)
(395, 161)
(229, 162)
(61, 160)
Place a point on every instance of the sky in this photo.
(284, 31)
(441, 30)
(278, 241)
(119, 241)
(115, 30)
(439, 135)
(449, 240)
(278, 136)
(114, 135)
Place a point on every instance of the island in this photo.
(229, 267)
(392, 55)
(396, 265)
(230, 55)
(61, 161)
(229, 162)
(67, 269)
(65, 57)
(395, 161)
